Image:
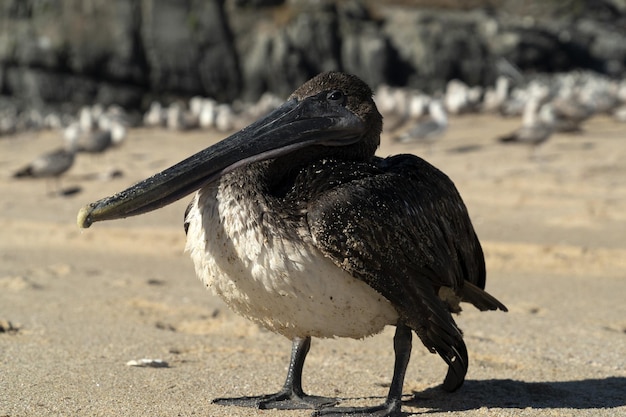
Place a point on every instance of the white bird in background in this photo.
(534, 131)
(224, 118)
(97, 135)
(207, 114)
(155, 116)
(393, 104)
(460, 98)
(427, 130)
(495, 97)
(177, 118)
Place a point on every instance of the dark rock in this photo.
(365, 51)
(126, 95)
(219, 64)
(281, 58)
(258, 3)
(438, 47)
(39, 86)
(8, 327)
(605, 45)
(188, 48)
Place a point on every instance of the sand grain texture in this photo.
(76, 306)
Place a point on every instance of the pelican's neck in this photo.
(285, 183)
(258, 187)
(247, 181)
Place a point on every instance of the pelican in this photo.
(298, 227)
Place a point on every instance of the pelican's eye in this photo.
(336, 97)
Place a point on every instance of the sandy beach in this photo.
(77, 305)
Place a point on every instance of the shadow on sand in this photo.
(507, 393)
(70, 191)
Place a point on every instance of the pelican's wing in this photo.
(404, 230)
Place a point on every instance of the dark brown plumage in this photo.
(303, 187)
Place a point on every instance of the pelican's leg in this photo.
(291, 396)
(402, 342)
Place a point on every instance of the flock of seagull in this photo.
(545, 104)
(94, 131)
(206, 113)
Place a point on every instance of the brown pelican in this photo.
(301, 229)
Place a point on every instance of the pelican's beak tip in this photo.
(84, 217)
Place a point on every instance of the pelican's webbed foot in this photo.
(390, 408)
(282, 400)
(291, 396)
(393, 404)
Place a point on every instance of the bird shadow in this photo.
(465, 148)
(69, 191)
(508, 393)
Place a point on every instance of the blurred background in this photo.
(58, 55)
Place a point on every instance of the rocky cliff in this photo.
(131, 51)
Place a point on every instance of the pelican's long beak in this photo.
(294, 125)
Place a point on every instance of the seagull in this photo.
(109, 130)
(51, 164)
(427, 130)
(95, 141)
(299, 227)
(156, 116)
(534, 131)
(567, 115)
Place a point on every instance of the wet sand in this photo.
(76, 306)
